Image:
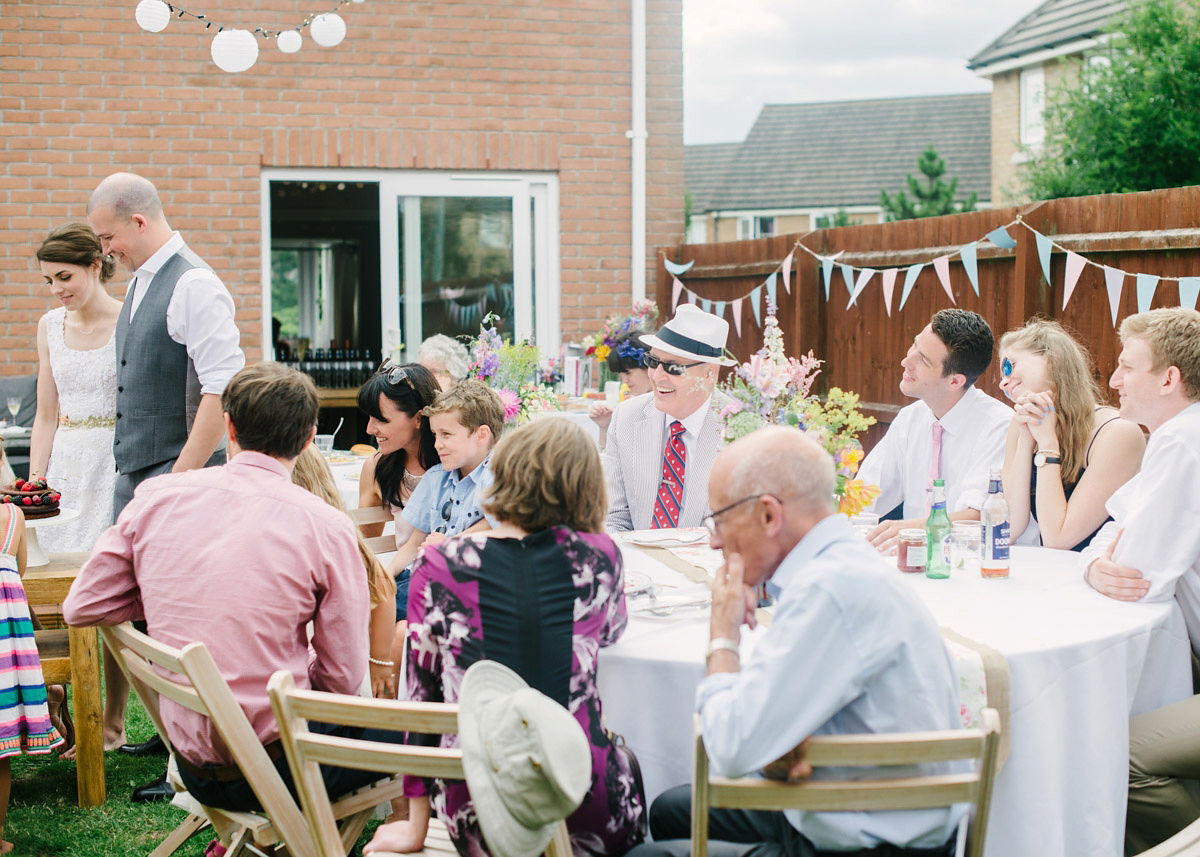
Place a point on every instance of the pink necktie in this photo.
(670, 491)
(935, 459)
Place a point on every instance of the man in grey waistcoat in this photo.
(177, 343)
(177, 347)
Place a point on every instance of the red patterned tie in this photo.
(670, 492)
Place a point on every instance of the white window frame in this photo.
(1032, 106)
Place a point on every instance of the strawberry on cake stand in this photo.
(40, 505)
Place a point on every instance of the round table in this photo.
(34, 555)
(1080, 665)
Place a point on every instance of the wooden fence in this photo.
(1139, 233)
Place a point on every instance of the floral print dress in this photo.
(543, 605)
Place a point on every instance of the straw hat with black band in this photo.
(694, 334)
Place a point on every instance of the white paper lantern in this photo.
(328, 30)
(234, 50)
(289, 41)
(152, 15)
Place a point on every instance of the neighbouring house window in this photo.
(1033, 106)
(697, 230)
(755, 227)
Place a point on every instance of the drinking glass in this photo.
(966, 550)
(323, 443)
(863, 523)
(14, 405)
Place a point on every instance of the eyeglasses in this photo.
(676, 369)
(710, 521)
(395, 374)
(1006, 367)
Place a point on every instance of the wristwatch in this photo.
(1041, 458)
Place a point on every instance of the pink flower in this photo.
(734, 407)
(765, 376)
(511, 402)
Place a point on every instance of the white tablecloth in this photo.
(345, 474)
(1080, 665)
(580, 418)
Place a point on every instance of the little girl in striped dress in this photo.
(25, 725)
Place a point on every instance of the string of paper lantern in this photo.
(235, 49)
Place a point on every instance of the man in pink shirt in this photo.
(240, 559)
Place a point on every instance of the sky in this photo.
(741, 54)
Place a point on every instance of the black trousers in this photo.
(744, 833)
(237, 794)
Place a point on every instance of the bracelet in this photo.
(380, 663)
(722, 644)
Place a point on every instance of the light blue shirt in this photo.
(851, 649)
(444, 502)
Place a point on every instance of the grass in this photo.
(45, 819)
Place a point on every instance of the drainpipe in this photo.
(638, 151)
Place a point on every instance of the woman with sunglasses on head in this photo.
(1067, 451)
(626, 360)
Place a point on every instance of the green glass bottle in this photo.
(937, 535)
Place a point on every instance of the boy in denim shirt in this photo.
(466, 421)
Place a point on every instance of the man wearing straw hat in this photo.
(661, 446)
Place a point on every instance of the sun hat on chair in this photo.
(693, 333)
(527, 761)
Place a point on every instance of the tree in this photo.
(932, 199)
(840, 218)
(1126, 120)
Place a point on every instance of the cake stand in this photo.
(34, 555)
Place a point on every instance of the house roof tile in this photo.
(1054, 23)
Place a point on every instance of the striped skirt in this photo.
(25, 725)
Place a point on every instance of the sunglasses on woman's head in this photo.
(394, 372)
(1005, 367)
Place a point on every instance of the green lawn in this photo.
(45, 820)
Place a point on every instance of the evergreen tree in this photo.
(1127, 119)
(931, 199)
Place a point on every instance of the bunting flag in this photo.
(787, 271)
(1189, 289)
(705, 305)
(737, 315)
(719, 309)
(889, 283)
(1043, 248)
(677, 270)
(772, 288)
(910, 280)
(692, 297)
(970, 264)
(848, 276)
(942, 265)
(864, 277)
(1114, 280)
(827, 272)
(675, 287)
(755, 302)
(1146, 284)
(1075, 264)
(1000, 237)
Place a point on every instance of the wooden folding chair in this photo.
(368, 520)
(307, 750)
(198, 685)
(902, 748)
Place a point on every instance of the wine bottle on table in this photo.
(995, 529)
(937, 535)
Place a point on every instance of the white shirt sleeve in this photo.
(988, 455)
(200, 318)
(882, 467)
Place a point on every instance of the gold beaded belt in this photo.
(90, 422)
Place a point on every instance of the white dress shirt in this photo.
(850, 650)
(973, 433)
(692, 424)
(1158, 514)
(199, 317)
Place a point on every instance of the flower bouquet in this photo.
(508, 368)
(616, 326)
(773, 389)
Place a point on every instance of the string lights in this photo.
(235, 49)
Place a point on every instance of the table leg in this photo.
(89, 732)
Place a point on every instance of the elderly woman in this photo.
(446, 358)
(541, 593)
(1067, 451)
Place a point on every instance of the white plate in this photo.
(637, 582)
(667, 538)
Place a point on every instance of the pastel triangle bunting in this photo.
(889, 286)
(864, 277)
(1043, 248)
(1189, 290)
(719, 309)
(970, 264)
(826, 272)
(787, 272)
(737, 315)
(772, 290)
(942, 265)
(756, 305)
(848, 276)
(1075, 264)
(1114, 281)
(1000, 237)
(1146, 284)
(910, 280)
(676, 286)
(705, 305)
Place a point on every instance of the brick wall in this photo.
(479, 84)
(1007, 158)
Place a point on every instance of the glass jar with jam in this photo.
(911, 553)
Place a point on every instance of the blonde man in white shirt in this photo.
(1150, 550)
(964, 425)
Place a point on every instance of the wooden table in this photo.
(72, 656)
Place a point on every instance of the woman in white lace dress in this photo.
(72, 442)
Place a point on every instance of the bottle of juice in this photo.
(994, 515)
(937, 535)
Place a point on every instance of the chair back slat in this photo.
(876, 794)
(370, 515)
(432, 718)
(381, 544)
(384, 758)
(142, 672)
